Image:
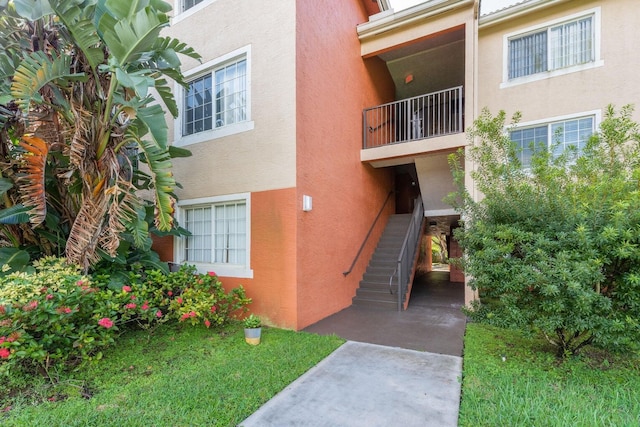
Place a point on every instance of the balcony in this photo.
(425, 116)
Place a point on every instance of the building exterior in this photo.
(312, 122)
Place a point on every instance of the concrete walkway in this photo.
(369, 385)
(397, 369)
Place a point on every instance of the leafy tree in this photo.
(555, 248)
(82, 84)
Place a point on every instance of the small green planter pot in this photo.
(252, 335)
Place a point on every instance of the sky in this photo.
(487, 5)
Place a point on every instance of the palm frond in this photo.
(159, 163)
(33, 191)
(35, 72)
(175, 45)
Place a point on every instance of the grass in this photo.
(508, 381)
(176, 377)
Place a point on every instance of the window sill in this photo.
(223, 270)
(549, 74)
(214, 134)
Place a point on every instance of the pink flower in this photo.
(49, 296)
(192, 314)
(207, 323)
(212, 274)
(145, 306)
(2, 339)
(179, 300)
(158, 313)
(79, 283)
(66, 310)
(170, 293)
(130, 305)
(126, 288)
(105, 322)
(184, 317)
(213, 308)
(4, 353)
(13, 336)
(133, 297)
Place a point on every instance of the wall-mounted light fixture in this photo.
(408, 79)
(307, 203)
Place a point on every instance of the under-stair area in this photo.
(379, 285)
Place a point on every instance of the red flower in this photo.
(145, 306)
(212, 274)
(170, 293)
(105, 322)
(133, 297)
(126, 288)
(192, 314)
(207, 323)
(2, 339)
(158, 313)
(2, 309)
(4, 353)
(79, 283)
(30, 306)
(13, 336)
(213, 308)
(130, 305)
(184, 317)
(49, 296)
(65, 310)
(179, 300)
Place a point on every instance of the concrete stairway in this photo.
(374, 290)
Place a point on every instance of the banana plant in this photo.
(83, 84)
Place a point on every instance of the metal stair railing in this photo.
(408, 251)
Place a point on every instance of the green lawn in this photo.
(178, 377)
(507, 381)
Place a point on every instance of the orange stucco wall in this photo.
(273, 255)
(333, 85)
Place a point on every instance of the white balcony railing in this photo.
(425, 116)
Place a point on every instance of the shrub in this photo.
(57, 317)
(556, 248)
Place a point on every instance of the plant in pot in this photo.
(252, 329)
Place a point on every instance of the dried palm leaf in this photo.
(32, 187)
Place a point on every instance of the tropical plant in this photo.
(252, 321)
(555, 248)
(81, 88)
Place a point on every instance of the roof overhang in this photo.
(515, 11)
(389, 20)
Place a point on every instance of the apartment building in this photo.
(314, 125)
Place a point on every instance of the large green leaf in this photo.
(153, 118)
(166, 94)
(16, 214)
(15, 258)
(132, 37)
(5, 185)
(74, 15)
(33, 9)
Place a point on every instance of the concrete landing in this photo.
(369, 385)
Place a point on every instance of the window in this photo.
(219, 238)
(558, 135)
(188, 4)
(217, 101)
(558, 47)
(229, 85)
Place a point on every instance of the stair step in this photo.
(376, 295)
(378, 287)
(386, 305)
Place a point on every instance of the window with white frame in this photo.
(557, 47)
(217, 98)
(219, 237)
(557, 135)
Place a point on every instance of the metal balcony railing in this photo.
(425, 116)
